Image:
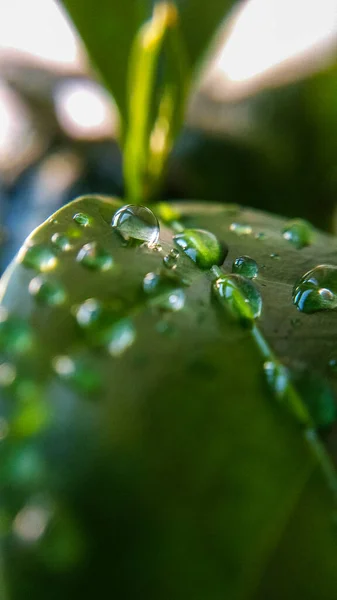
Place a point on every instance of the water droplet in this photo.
(239, 295)
(49, 292)
(164, 292)
(78, 373)
(7, 374)
(244, 265)
(94, 257)
(120, 337)
(279, 381)
(171, 259)
(275, 256)
(136, 223)
(38, 257)
(61, 242)
(240, 229)
(299, 232)
(88, 312)
(201, 246)
(16, 336)
(82, 219)
(316, 290)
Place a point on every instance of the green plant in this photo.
(166, 408)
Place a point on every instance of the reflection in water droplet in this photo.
(164, 292)
(171, 259)
(78, 373)
(61, 242)
(120, 337)
(38, 257)
(317, 289)
(88, 312)
(239, 296)
(49, 292)
(95, 258)
(201, 246)
(82, 219)
(246, 266)
(241, 229)
(136, 223)
(299, 232)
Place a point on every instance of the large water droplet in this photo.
(47, 291)
(171, 259)
(299, 232)
(94, 257)
(82, 219)
(61, 242)
(38, 257)
(246, 266)
(164, 292)
(316, 290)
(201, 246)
(239, 296)
(78, 373)
(136, 223)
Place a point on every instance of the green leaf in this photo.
(167, 467)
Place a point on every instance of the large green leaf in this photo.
(169, 471)
(108, 29)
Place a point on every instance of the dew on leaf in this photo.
(136, 223)
(278, 380)
(38, 257)
(201, 246)
(171, 259)
(93, 257)
(164, 292)
(298, 232)
(316, 290)
(47, 291)
(82, 219)
(88, 312)
(246, 266)
(239, 296)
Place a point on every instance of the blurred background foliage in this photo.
(260, 127)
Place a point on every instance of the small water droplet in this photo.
(47, 291)
(38, 257)
(120, 337)
(137, 223)
(171, 259)
(279, 381)
(241, 229)
(164, 292)
(61, 242)
(78, 373)
(275, 256)
(298, 232)
(244, 265)
(317, 289)
(239, 296)
(92, 256)
(201, 246)
(82, 219)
